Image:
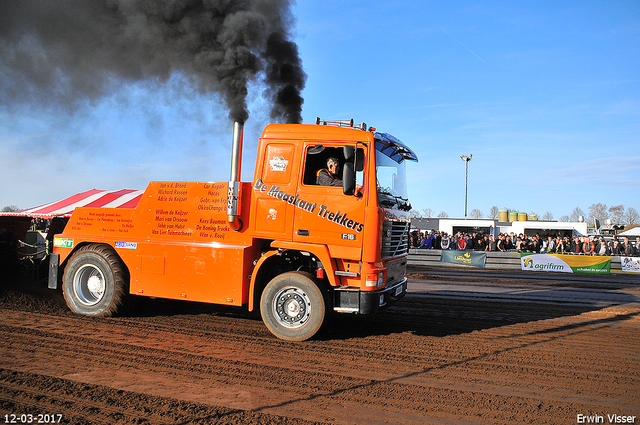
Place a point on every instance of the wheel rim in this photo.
(88, 285)
(291, 307)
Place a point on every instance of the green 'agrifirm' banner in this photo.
(465, 258)
(565, 263)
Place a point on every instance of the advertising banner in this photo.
(630, 264)
(465, 258)
(565, 263)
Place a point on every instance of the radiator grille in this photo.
(395, 239)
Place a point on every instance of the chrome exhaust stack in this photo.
(234, 178)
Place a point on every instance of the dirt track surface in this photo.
(461, 347)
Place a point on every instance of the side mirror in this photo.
(349, 153)
(348, 179)
(359, 160)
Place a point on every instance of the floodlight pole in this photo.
(466, 160)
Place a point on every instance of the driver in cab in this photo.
(329, 176)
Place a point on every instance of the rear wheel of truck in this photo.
(94, 281)
(293, 307)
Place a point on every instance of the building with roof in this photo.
(494, 227)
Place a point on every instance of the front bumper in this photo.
(350, 300)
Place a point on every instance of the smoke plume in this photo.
(60, 52)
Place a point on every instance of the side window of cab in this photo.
(324, 166)
(316, 161)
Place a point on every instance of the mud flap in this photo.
(53, 270)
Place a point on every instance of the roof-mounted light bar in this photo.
(343, 123)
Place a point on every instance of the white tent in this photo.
(631, 232)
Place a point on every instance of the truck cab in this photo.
(358, 231)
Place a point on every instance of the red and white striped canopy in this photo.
(125, 198)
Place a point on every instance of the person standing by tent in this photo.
(602, 248)
(577, 248)
(627, 250)
(462, 242)
(427, 241)
(563, 245)
(445, 242)
(588, 247)
(491, 246)
(616, 248)
(551, 245)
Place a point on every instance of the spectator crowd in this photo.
(40, 224)
(510, 242)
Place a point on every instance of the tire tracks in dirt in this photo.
(429, 359)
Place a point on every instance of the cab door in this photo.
(324, 214)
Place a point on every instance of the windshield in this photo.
(392, 182)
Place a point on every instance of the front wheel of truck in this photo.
(93, 282)
(293, 307)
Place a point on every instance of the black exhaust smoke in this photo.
(285, 78)
(66, 51)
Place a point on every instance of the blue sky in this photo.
(545, 95)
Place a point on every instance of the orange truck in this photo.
(283, 245)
